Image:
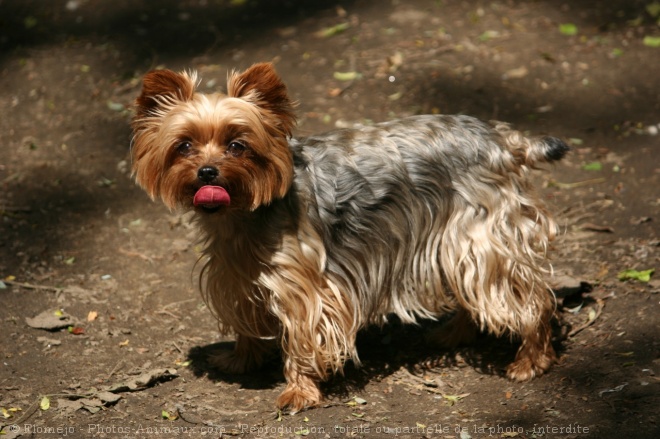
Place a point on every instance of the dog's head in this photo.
(213, 152)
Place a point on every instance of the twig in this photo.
(228, 412)
(177, 347)
(600, 304)
(7, 208)
(429, 386)
(576, 184)
(29, 412)
(169, 313)
(33, 408)
(191, 419)
(115, 369)
(596, 228)
(33, 286)
(334, 404)
(73, 396)
(177, 303)
(418, 379)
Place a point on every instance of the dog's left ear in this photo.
(261, 85)
(161, 88)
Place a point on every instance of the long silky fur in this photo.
(416, 217)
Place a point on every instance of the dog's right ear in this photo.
(164, 88)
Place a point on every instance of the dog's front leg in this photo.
(318, 321)
(302, 389)
(318, 328)
(318, 336)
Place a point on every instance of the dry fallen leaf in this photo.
(76, 330)
(143, 381)
(518, 73)
(395, 61)
(50, 320)
(597, 228)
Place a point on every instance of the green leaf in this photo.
(653, 9)
(651, 41)
(568, 29)
(592, 315)
(115, 106)
(642, 276)
(593, 166)
(105, 182)
(332, 30)
(45, 403)
(29, 22)
(453, 399)
(489, 34)
(355, 401)
(346, 76)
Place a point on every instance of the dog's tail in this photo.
(551, 149)
(529, 151)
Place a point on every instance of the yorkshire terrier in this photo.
(308, 240)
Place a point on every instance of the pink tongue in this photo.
(211, 196)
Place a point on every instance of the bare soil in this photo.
(77, 236)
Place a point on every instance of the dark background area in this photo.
(79, 236)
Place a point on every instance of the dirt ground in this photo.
(80, 240)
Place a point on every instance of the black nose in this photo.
(207, 174)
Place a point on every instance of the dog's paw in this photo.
(526, 367)
(296, 398)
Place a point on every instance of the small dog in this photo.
(309, 240)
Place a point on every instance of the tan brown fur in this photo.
(322, 236)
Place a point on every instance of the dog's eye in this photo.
(236, 148)
(184, 148)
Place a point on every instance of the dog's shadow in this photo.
(266, 377)
(383, 350)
